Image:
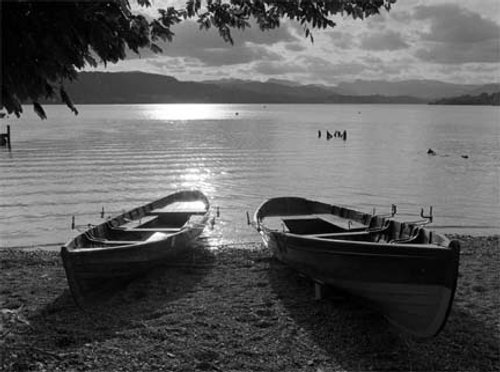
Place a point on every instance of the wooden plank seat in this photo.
(356, 235)
(103, 241)
(168, 230)
(192, 207)
(158, 212)
(130, 224)
(317, 223)
(156, 236)
(375, 234)
(342, 222)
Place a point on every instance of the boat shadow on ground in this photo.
(360, 339)
(61, 324)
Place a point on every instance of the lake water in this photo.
(121, 156)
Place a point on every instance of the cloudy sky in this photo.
(454, 41)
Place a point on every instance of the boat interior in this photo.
(333, 227)
(144, 225)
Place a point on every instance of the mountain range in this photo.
(140, 87)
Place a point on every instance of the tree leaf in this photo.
(65, 98)
(39, 110)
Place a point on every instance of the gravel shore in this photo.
(236, 309)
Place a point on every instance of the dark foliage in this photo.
(46, 42)
(483, 99)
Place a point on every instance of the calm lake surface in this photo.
(122, 156)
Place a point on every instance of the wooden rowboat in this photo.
(130, 244)
(403, 270)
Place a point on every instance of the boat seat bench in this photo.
(130, 224)
(104, 241)
(341, 222)
(341, 236)
(168, 230)
(156, 236)
(169, 213)
(365, 236)
(188, 207)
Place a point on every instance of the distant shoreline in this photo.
(139, 87)
(238, 103)
(275, 103)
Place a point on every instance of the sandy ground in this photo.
(237, 310)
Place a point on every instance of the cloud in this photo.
(387, 40)
(275, 68)
(309, 69)
(453, 24)
(236, 55)
(451, 41)
(285, 33)
(210, 49)
(457, 35)
(483, 52)
(295, 47)
(323, 70)
(401, 16)
(342, 40)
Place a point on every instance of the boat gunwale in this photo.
(259, 217)
(162, 201)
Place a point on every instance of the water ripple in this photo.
(122, 158)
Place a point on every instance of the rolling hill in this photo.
(140, 87)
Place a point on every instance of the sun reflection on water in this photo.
(185, 111)
(196, 177)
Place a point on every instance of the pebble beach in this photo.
(235, 308)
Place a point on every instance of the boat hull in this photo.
(91, 270)
(412, 285)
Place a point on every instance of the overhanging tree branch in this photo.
(46, 42)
